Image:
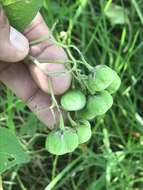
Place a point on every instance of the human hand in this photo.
(13, 48)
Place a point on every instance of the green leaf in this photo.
(21, 12)
(117, 14)
(8, 2)
(11, 151)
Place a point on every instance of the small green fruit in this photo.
(107, 98)
(60, 142)
(100, 79)
(85, 114)
(84, 132)
(96, 105)
(114, 86)
(73, 100)
(100, 103)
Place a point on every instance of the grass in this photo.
(112, 160)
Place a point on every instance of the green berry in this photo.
(107, 98)
(71, 139)
(84, 132)
(60, 142)
(100, 79)
(96, 105)
(100, 103)
(114, 86)
(73, 100)
(85, 114)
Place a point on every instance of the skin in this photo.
(24, 78)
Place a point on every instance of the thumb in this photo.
(13, 45)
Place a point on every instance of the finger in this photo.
(19, 80)
(13, 45)
(47, 50)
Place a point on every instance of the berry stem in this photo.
(72, 122)
(62, 126)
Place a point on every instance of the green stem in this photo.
(62, 126)
(21, 184)
(13, 176)
(54, 101)
(73, 123)
(54, 167)
(53, 96)
(45, 38)
(42, 39)
(1, 186)
(88, 66)
(84, 62)
(62, 174)
(38, 63)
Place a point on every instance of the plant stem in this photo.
(84, 62)
(62, 126)
(21, 184)
(38, 63)
(54, 166)
(1, 187)
(53, 96)
(62, 174)
(73, 123)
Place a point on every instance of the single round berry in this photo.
(114, 86)
(84, 132)
(73, 100)
(101, 77)
(96, 105)
(60, 142)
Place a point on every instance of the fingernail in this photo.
(18, 40)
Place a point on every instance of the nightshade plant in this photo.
(90, 96)
(88, 103)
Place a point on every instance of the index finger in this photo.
(47, 50)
